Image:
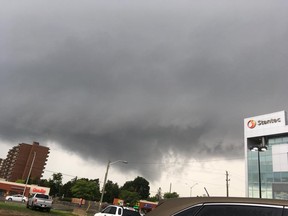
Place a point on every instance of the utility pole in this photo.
(227, 183)
(206, 192)
(27, 179)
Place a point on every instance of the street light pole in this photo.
(260, 148)
(259, 175)
(105, 179)
(104, 184)
(27, 179)
(192, 188)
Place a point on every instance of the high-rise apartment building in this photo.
(24, 159)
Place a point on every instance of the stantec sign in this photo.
(252, 123)
(271, 120)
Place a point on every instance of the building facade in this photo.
(266, 155)
(10, 188)
(24, 160)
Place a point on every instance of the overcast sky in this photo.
(164, 85)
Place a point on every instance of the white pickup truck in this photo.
(114, 210)
(39, 201)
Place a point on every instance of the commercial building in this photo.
(266, 155)
(24, 160)
(10, 188)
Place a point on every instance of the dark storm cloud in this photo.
(139, 80)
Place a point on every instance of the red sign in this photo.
(38, 190)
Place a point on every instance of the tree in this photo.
(138, 185)
(66, 188)
(129, 186)
(21, 181)
(170, 195)
(44, 183)
(34, 181)
(111, 191)
(86, 189)
(130, 198)
(55, 184)
(153, 199)
(142, 187)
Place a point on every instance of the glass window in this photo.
(113, 210)
(278, 140)
(189, 212)
(285, 212)
(106, 210)
(239, 210)
(277, 177)
(127, 212)
(271, 141)
(42, 196)
(284, 177)
(110, 210)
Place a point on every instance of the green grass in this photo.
(11, 209)
(11, 206)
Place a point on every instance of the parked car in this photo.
(39, 201)
(17, 198)
(114, 210)
(220, 206)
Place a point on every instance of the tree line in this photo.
(89, 189)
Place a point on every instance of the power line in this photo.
(59, 172)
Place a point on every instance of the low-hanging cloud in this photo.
(137, 81)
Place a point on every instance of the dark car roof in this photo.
(171, 206)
